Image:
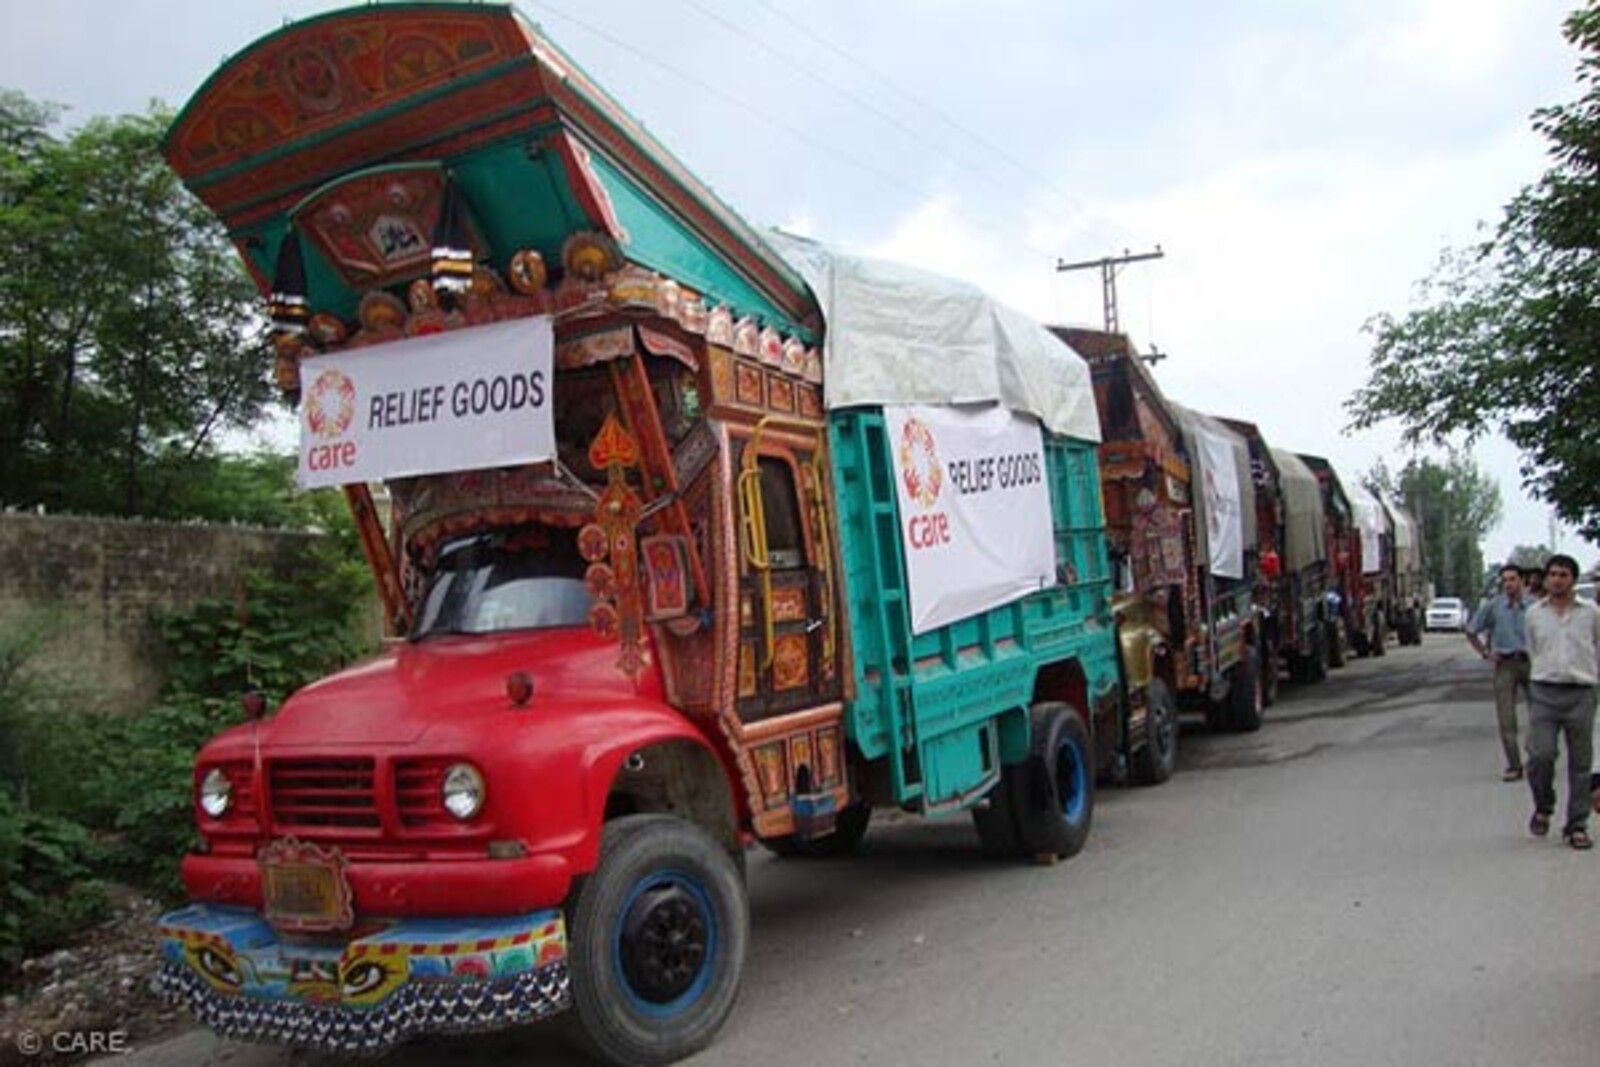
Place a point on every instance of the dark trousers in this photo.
(1564, 711)
(1510, 675)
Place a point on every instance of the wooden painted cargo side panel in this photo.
(947, 708)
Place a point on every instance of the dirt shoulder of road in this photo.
(96, 995)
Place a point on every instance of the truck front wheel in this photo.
(657, 942)
(1269, 675)
(1336, 657)
(1246, 702)
(1317, 661)
(1155, 762)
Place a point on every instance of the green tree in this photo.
(1457, 504)
(129, 335)
(1528, 556)
(1506, 332)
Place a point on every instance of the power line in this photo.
(1076, 203)
(887, 177)
(867, 105)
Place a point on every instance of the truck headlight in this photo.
(463, 791)
(216, 793)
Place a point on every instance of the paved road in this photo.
(1353, 885)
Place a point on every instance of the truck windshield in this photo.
(495, 582)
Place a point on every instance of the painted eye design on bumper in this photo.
(368, 980)
(218, 967)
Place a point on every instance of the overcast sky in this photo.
(1301, 162)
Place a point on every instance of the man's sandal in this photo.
(1578, 839)
(1539, 825)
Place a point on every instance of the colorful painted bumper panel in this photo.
(418, 976)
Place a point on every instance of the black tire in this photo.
(1270, 682)
(1245, 705)
(1317, 661)
(1044, 805)
(1054, 797)
(1380, 638)
(848, 831)
(1336, 645)
(1360, 644)
(658, 937)
(1158, 757)
(1216, 715)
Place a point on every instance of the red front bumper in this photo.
(442, 888)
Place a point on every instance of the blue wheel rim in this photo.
(1071, 781)
(691, 889)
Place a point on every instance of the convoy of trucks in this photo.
(690, 538)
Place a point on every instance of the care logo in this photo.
(920, 468)
(331, 404)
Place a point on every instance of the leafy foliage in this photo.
(128, 331)
(1505, 334)
(281, 635)
(1456, 504)
(46, 889)
(111, 796)
(1526, 556)
(46, 860)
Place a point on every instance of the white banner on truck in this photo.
(1370, 521)
(974, 509)
(459, 400)
(1224, 510)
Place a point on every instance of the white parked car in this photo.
(1446, 613)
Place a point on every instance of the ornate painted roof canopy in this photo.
(350, 128)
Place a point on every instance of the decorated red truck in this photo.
(1293, 572)
(661, 586)
(1182, 525)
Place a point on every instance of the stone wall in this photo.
(101, 580)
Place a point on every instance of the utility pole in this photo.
(1109, 266)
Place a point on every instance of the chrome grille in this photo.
(323, 794)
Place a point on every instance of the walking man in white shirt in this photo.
(1564, 646)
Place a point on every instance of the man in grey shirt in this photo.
(1564, 645)
(1498, 634)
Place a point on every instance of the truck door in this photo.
(788, 623)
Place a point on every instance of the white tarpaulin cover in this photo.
(459, 400)
(1305, 520)
(898, 335)
(1373, 524)
(975, 524)
(1407, 552)
(1222, 485)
